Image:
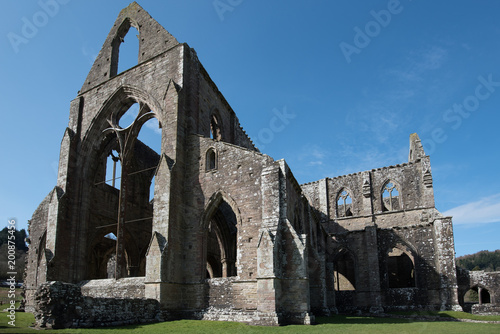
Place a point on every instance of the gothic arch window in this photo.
(125, 48)
(400, 269)
(344, 271)
(211, 159)
(128, 157)
(344, 203)
(215, 128)
(390, 197)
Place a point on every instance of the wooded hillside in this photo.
(483, 260)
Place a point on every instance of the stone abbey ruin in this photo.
(225, 232)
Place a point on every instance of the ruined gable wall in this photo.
(153, 40)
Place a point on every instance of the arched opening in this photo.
(344, 271)
(390, 197)
(215, 128)
(484, 296)
(121, 209)
(125, 48)
(400, 269)
(344, 204)
(211, 159)
(471, 296)
(221, 237)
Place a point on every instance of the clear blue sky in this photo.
(358, 77)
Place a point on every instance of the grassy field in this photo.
(335, 324)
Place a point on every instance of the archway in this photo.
(400, 269)
(124, 206)
(220, 231)
(344, 271)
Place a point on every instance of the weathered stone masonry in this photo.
(229, 233)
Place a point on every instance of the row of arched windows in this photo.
(389, 199)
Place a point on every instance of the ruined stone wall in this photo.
(62, 305)
(237, 178)
(419, 243)
(368, 230)
(487, 283)
(36, 267)
(88, 119)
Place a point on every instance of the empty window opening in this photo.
(129, 116)
(390, 197)
(136, 191)
(150, 135)
(125, 49)
(215, 128)
(344, 204)
(401, 269)
(344, 272)
(113, 169)
(211, 159)
(221, 243)
(152, 190)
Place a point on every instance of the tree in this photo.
(20, 237)
(20, 252)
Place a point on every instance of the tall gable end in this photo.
(153, 40)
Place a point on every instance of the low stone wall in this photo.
(485, 309)
(124, 288)
(62, 305)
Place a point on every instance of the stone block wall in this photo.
(62, 305)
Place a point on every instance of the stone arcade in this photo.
(228, 233)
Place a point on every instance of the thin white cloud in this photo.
(485, 210)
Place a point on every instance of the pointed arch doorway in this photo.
(220, 238)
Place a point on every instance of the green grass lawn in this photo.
(335, 324)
